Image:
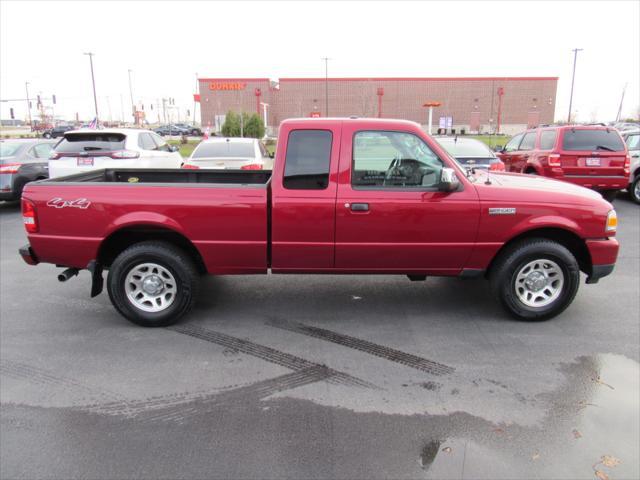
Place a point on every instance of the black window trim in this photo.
(529, 132)
(418, 188)
(284, 168)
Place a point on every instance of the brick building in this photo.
(472, 104)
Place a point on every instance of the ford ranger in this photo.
(358, 196)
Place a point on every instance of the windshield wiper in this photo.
(604, 147)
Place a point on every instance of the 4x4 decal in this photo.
(60, 203)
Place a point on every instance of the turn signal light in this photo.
(251, 166)
(9, 168)
(612, 222)
(497, 166)
(554, 160)
(187, 166)
(29, 217)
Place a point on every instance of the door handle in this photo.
(358, 207)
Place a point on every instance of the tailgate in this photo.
(607, 164)
(592, 151)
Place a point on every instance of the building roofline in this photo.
(436, 79)
(233, 79)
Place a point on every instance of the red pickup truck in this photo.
(359, 196)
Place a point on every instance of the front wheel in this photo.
(634, 189)
(153, 284)
(535, 279)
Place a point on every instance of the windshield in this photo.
(9, 149)
(466, 148)
(88, 142)
(592, 140)
(224, 150)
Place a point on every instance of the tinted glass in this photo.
(224, 150)
(146, 142)
(466, 148)
(9, 149)
(89, 142)
(393, 160)
(633, 142)
(548, 139)
(513, 144)
(160, 142)
(308, 159)
(593, 140)
(528, 142)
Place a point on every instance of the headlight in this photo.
(612, 222)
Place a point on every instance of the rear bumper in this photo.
(595, 182)
(604, 254)
(28, 255)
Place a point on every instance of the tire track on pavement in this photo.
(391, 354)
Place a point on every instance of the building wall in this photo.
(525, 100)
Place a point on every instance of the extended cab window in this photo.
(529, 141)
(514, 143)
(393, 160)
(592, 140)
(548, 139)
(308, 159)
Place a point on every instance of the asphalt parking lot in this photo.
(318, 377)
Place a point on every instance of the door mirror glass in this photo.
(448, 180)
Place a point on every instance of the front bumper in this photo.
(604, 254)
(28, 255)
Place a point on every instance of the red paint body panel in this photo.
(403, 231)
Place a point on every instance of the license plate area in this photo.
(592, 162)
(85, 162)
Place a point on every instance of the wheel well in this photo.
(122, 239)
(570, 240)
(530, 170)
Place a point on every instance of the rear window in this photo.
(91, 142)
(467, 148)
(9, 149)
(607, 140)
(308, 159)
(224, 150)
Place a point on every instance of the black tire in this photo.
(634, 189)
(609, 195)
(179, 265)
(513, 259)
(47, 135)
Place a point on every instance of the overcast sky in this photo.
(166, 42)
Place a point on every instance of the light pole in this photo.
(264, 115)
(573, 78)
(26, 86)
(133, 105)
(326, 85)
(430, 105)
(93, 81)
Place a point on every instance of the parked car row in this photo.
(22, 161)
(178, 129)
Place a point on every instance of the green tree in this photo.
(254, 127)
(231, 125)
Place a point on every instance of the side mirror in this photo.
(448, 180)
(498, 148)
(173, 148)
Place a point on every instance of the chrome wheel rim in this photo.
(150, 287)
(539, 283)
(636, 189)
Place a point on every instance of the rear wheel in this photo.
(535, 279)
(153, 284)
(634, 189)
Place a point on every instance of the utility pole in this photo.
(93, 81)
(26, 86)
(133, 105)
(573, 78)
(620, 107)
(326, 85)
(194, 99)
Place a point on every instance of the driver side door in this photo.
(394, 221)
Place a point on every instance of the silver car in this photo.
(632, 139)
(230, 153)
(22, 161)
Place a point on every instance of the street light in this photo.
(326, 85)
(264, 114)
(133, 105)
(573, 78)
(431, 105)
(26, 86)
(93, 81)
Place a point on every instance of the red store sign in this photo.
(227, 86)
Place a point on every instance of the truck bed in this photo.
(169, 175)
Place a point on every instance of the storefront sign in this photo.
(227, 86)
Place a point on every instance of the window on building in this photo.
(308, 160)
(393, 160)
(548, 139)
(528, 141)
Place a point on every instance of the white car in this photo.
(632, 139)
(83, 150)
(230, 153)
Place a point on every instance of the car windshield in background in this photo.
(90, 142)
(9, 149)
(224, 150)
(466, 148)
(593, 140)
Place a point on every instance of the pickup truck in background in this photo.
(358, 196)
